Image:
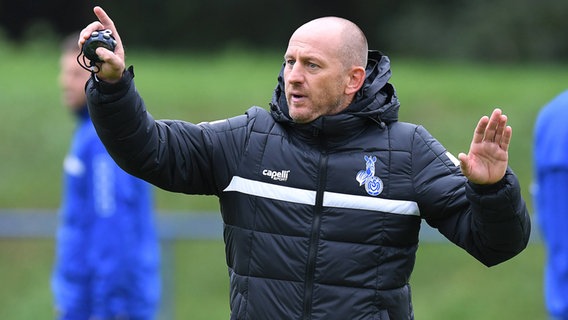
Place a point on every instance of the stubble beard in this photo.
(311, 113)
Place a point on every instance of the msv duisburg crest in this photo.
(373, 184)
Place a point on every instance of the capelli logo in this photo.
(276, 175)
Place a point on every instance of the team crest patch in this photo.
(373, 184)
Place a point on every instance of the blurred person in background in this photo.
(550, 160)
(323, 195)
(107, 256)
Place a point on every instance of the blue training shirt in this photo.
(107, 261)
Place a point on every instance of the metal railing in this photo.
(172, 226)
(42, 224)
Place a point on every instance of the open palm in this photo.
(488, 156)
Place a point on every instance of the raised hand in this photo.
(488, 155)
(113, 65)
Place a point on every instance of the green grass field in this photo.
(447, 98)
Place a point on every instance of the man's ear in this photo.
(356, 80)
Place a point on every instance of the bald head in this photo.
(341, 35)
(324, 68)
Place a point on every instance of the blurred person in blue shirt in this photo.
(551, 200)
(107, 255)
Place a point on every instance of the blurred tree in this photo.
(502, 30)
(63, 16)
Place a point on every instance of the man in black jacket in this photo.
(323, 195)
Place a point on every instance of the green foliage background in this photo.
(489, 30)
(447, 98)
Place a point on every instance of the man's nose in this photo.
(295, 74)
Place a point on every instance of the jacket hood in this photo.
(375, 101)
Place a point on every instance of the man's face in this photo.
(72, 79)
(314, 77)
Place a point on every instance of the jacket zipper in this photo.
(314, 239)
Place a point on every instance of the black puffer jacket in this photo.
(321, 221)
